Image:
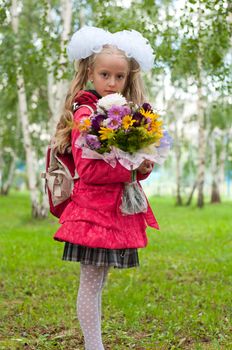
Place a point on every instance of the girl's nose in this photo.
(112, 81)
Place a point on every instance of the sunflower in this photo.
(84, 124)
(127, 121)
(106, 133)
(155, 127)
(149, 114)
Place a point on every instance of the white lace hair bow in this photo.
(89, 40)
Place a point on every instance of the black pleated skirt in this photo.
(118, 258)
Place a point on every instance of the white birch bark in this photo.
(222, 160)
(178, 165)
(81, 17)
(31, 158)
(10, 176)
(201, 150)
(1, 167)
(200, 114)
(176, 109)
(57, 88)
(215, 194)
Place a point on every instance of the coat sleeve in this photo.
(95, 171)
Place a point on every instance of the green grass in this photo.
(179, 298)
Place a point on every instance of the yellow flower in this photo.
(106, 133)
(149, 114)
(127, 121)
(84, 124)
(155, 127)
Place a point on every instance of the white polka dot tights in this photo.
(92, 279)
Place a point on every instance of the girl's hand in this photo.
(145, 167)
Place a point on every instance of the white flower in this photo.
(105, 122)
(108, 101)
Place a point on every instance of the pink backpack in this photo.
(60, 177)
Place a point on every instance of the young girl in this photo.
(93, 228)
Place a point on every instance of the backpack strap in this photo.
(53, 162)
(76, 176)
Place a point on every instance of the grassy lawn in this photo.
(180, 297)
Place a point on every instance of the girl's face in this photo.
(109, 73)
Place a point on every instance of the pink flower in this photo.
(126, 110)
(115, 111)
(93, 141)
(114, 122)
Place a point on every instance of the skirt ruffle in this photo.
(118, 258)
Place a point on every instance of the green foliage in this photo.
(220, 115)
(135, 139)
(176, 45)
(111, 16)
(202, 33)
(27, 54)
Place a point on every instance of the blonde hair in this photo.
(133, 91)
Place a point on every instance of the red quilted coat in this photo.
(93, 217)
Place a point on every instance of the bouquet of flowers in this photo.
(128, 133)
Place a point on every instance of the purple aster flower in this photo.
(126, 110)
(97, 121)
(93, 141)
(114, 122)
(147, 107)
(116, 111)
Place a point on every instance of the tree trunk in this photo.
(1, 166)
(31, 159)
(191, 194)
(201, 165)
(201, 132)
(57, 88)
(81, 17)
(215, 194)
(5, 187)
(178, 167)
(222, 161)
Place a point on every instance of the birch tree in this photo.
(215, 194)
(57, 84)
(38, 209)
(5, 186)
(220, 127)
(200, 113)
(8, 155)
(28, 69)
(198, 56)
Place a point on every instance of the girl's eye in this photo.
(104, 74)
(120, 77)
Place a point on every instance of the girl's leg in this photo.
(89, 304)
(106, 270)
